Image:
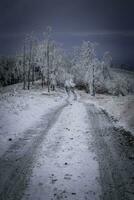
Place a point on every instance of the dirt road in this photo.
(77, 155)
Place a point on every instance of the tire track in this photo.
(16, 163)
(114, 151)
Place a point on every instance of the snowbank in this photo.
(121, 108)
(20, 110)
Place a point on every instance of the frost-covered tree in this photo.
(24, 65)
(106, 64)
(84, 65)
(30, 49)
(46, 60)
(48, 38)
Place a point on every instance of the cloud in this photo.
(11, 35)
(104, 33)
(99, 33)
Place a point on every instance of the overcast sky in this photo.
(108, 22)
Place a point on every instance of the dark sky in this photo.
(108, 22)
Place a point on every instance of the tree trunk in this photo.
(24, 68)
(33, 74)
(29, 69)
(28, 77)
(48, 70)
(42, 78)
(92, 86)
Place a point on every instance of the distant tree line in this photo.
(10, 72)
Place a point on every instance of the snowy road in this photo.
(65, 167)
(77, 155)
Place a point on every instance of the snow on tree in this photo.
(106, 64)
(84, 65)
(46, 60)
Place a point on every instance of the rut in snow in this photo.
(65, 167)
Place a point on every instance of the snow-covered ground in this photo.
(55, 145)
(19, 110)
(121, 108)
(65, 167)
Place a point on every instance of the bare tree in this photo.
(92, 81)
(31, 57)
(48, 35)
(84, 66)
(106, 64)
(24, 66)
(29, 65)
(48, 70)
(34, 55)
